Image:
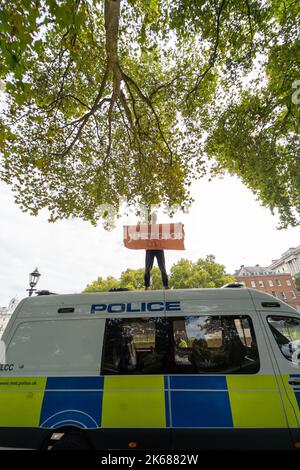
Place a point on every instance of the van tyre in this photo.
(73, 441)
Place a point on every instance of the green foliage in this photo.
(103, 285)
(103, 104)
(203, 273)
(183, 275)
(297, 282)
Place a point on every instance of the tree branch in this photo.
(126, 108)
(149, 103)
(137, 118)
(164, 85)
(84, 119)
(125, 124)
(250, 25)
(60, 98)
(214, 54)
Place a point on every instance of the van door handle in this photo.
(294, 382)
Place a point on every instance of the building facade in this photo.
(289, 262)
(4, 317)
(279, 284)
(5, 314)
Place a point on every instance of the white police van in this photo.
(188, 369)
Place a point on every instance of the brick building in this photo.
(279, 284)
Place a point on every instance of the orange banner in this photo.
(154, 236)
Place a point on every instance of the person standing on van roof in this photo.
(149, 260)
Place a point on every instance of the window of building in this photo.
(135, 346)
(253, 284)
(271, 283)
(274, 293)
(278, 283)
(286, 331)
(293, 294)
(214, 344)
(282, 295)
(261, 283)
(288, 282)
(57, 346)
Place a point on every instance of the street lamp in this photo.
(33, 280)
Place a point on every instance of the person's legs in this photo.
(160, 256)
(148, 266)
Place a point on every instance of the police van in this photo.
(188, 369)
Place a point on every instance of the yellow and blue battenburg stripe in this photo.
(72, 401)
(292, 398)
(296, 388)
(200, 402)
(236, 401)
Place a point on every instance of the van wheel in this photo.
(73, 440)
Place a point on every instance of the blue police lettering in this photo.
(98, 308)
(116, 308)
(173, 306)
(132, 310)
(137, 307)
(151, 307)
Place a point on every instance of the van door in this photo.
(223, 392)
(135, 351)
(283, 334)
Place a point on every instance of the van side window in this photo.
(286, 331)
(135, 346)
(214, 344)
(47, 346)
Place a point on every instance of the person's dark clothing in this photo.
(160, 256)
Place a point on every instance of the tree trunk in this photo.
(111, 16)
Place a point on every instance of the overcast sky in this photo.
(225, 220)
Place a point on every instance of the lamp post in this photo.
(33, 280)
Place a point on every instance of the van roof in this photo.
(217, 299)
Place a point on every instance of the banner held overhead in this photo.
(154, 236)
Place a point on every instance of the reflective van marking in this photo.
(297, 393)
(76, 400)
(21, 400)
(134, 401)
(70, 417)
(193, 405)
(198, 382)
(293, 397)
(195, 401)
(255, 402)
(290, 401)
(252, 382)
(75, 383)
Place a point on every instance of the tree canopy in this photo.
(205, 272)
(136, 98)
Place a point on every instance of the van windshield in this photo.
(286, 331)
